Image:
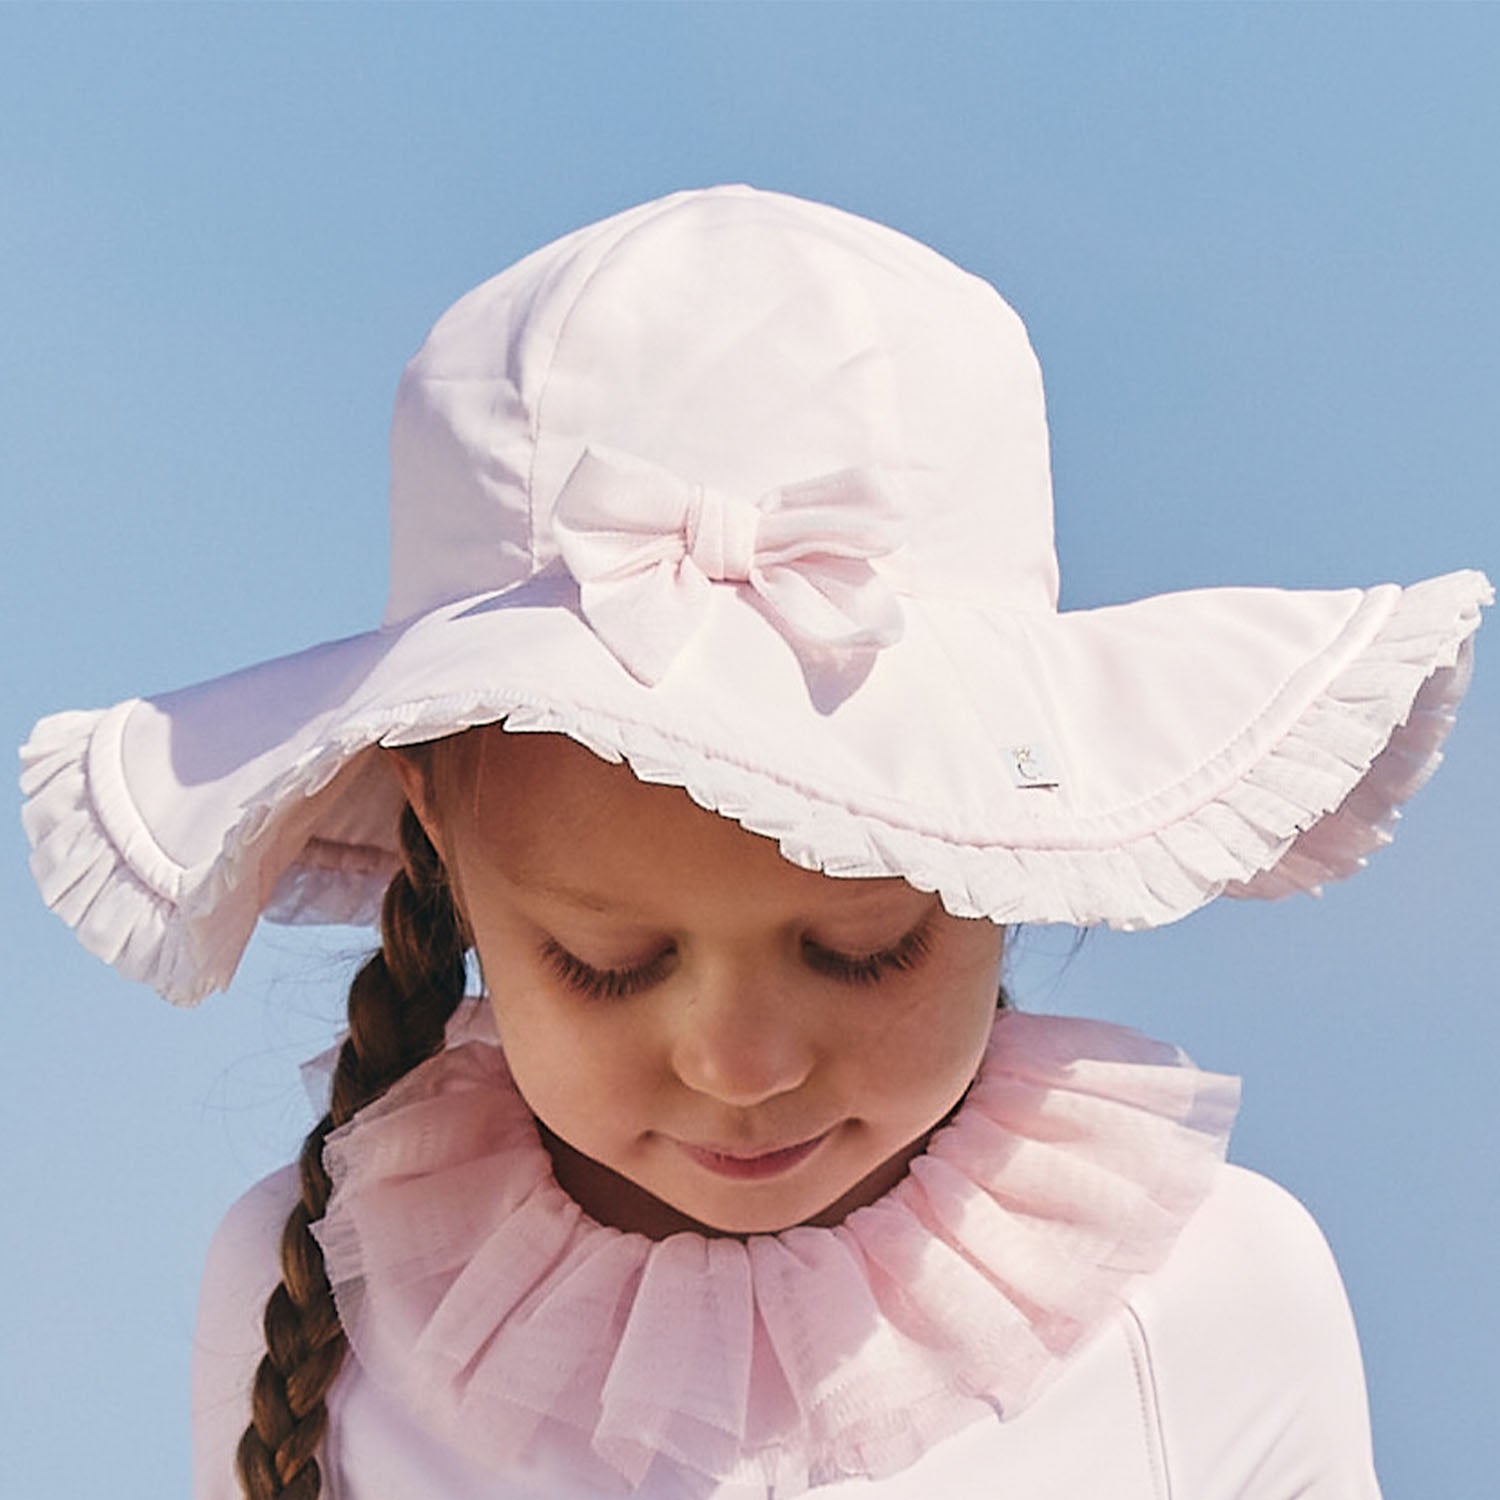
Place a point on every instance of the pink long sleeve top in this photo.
(1070, 1297)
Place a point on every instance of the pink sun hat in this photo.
(754, 495)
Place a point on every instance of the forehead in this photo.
(549, 813)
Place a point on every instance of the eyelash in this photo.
(871, 968)
(603, 984)
(619, 984)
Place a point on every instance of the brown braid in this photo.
(399, 1003)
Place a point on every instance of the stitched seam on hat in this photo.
(502, 701)
(1352, 639)
(562, 328)
(1356, 628)
(118, 818)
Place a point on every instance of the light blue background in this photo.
(1256, 248)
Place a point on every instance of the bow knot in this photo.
(648, 548)
(721, 536)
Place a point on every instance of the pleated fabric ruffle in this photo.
(474, 1289)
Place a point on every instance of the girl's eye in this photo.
(871, 968)
(618, 984)
(604, 984)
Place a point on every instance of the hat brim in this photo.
(1247, 742)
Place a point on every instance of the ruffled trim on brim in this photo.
(474, 1289)
(1309, 810)
(1365, 746)
(92, 860)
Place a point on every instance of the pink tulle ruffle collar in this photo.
(473, 1288)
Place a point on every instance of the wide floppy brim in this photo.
(1121, 765)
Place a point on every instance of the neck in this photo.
(612, 1199)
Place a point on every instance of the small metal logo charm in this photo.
(1030, 765)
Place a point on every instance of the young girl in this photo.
(723, 714)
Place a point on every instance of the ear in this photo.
(412, 768)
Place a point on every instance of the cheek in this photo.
(542, 1040)
(582, 1071)
(924, 1053)
(923, 1064)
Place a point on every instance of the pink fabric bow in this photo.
(647, 546)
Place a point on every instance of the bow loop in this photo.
(648, 548)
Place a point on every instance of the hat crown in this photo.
(744, 342)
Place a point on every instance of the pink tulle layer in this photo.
(473, 1287)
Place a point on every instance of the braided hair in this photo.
(399, 1004)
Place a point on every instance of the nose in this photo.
(738, 1040)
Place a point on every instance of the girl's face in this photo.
(710, 1037)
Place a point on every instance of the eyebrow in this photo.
(588, 900)
(594, 901)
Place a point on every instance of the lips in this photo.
(754, 1165)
